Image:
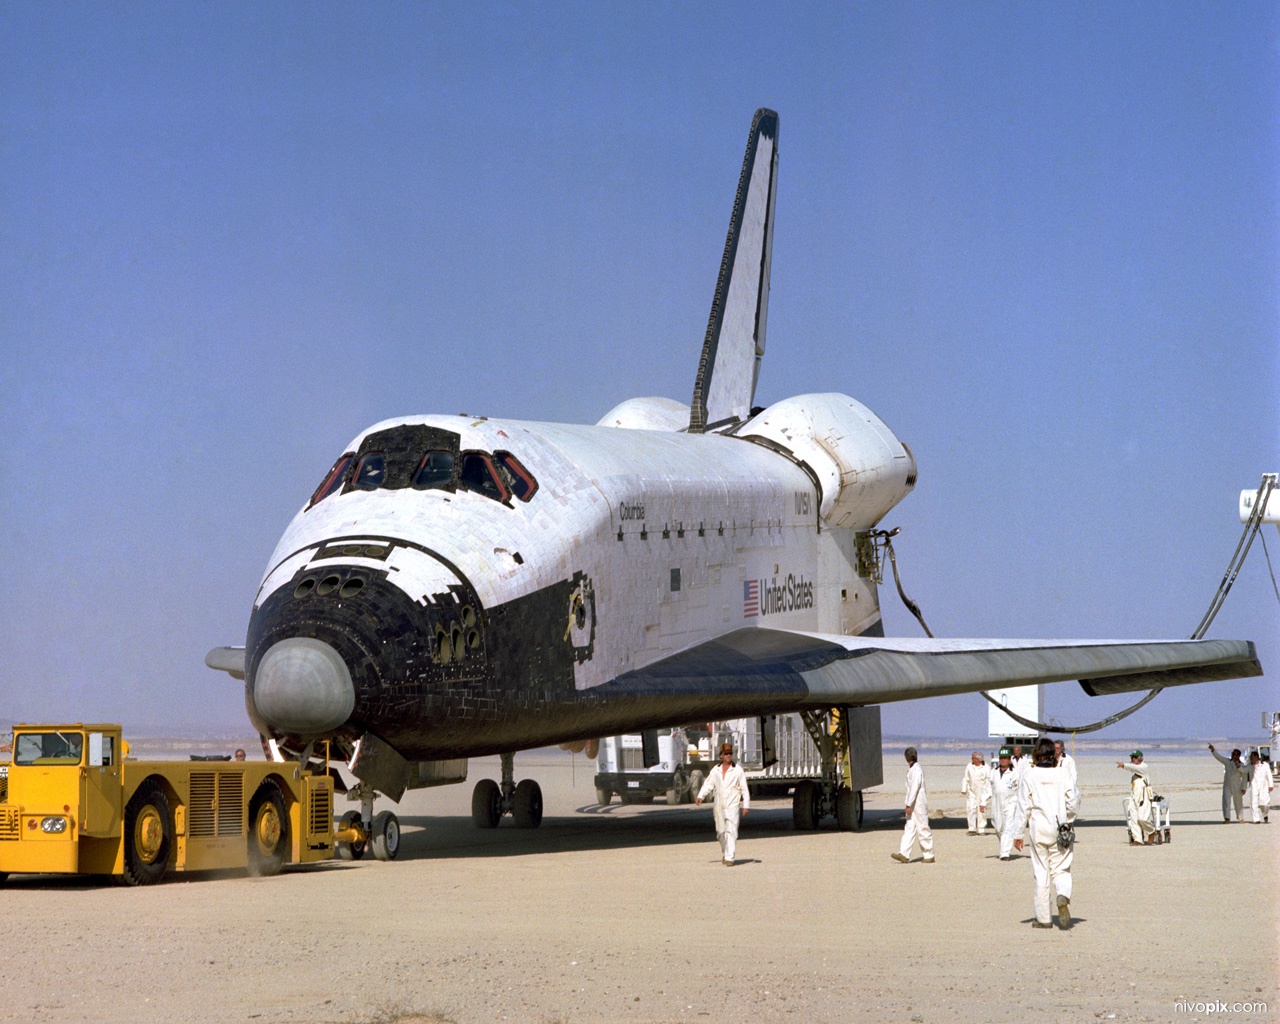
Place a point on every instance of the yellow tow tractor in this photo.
(76, 804)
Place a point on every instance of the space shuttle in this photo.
(460, 586)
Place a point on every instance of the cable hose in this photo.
(1251, 528)
(1262, 538)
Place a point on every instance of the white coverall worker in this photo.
(976, 789)
(1069, 763)
(917, 826)
(1046, 799)
(1233, 784)
(729, 789)
(1004, 803)
(1260, 786)
(1138, 808)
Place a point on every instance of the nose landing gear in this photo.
(378, 769)
(489, 801)
(361, 830)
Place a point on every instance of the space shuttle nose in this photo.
(303, 687)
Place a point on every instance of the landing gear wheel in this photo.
(603, 796)
(673, 796)
(486, 804)
(386, 835)
(528, 805)
(148, 834)
(268, 831)
(804, 805)
(350, 851)
(849, 810)
(696, 779)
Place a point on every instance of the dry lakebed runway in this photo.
(626, 914)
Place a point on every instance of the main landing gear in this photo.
(489, 801)
(832, 795)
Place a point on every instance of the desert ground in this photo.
(626, 914)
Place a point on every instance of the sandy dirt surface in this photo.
(626, 914)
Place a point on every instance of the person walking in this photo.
(728, 787)
(1260, 786)
(1004, 802)
(1021, 760)
(976, 789)
(1234, 775)
(1065, 760)
(917, 808)
(1047, 801)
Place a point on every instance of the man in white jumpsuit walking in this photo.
(1233, 783)
(1066, 761)
(976, 789)
(728, 785)
(917, 813)
(1021, 760)
(1046, 800)
(1138, 807)
(1004, 802)
(1260, 785)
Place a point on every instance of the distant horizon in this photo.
(1091, 740)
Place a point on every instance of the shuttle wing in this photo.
(755, 669)
(734, 345)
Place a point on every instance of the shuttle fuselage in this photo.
(474, 620)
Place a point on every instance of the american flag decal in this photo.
(750, 599)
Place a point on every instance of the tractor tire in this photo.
(269, 843)
(148, 834)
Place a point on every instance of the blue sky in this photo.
(1039, 240)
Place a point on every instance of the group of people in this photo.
(1027, 797)
(1237, 779)
(1031, 797)
(991, 792)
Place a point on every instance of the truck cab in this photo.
(63, 784)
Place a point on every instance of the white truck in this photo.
(824, 759)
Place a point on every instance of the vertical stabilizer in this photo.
(734, 344)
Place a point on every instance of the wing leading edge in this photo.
(751, 669)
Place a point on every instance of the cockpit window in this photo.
(370, 472)
(334, 479)
(518, 479)
(499, 476)
(435, 470)
(478, 474)
(48, 748)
